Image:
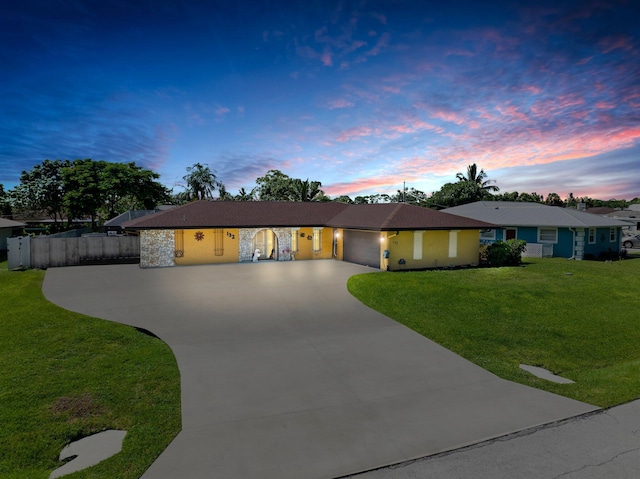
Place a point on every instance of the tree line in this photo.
(84, 188)
(100, 190)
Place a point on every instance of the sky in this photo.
(363, 96)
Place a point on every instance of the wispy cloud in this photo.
(339, 103)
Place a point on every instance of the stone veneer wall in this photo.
(246, 242)
(157, 248)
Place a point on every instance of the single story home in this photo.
(385, 236)
(549, 231)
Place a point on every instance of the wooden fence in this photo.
(51, 252)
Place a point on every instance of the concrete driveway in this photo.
(286, 375)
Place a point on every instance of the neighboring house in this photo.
(548, 230)
(630, 215)
(385, 236)
(8, 228)
(114, 225)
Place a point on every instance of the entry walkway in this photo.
(286, 375)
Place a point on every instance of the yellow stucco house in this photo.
(392, 236)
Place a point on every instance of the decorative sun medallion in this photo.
(199, 236)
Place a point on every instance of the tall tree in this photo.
(274, 186)
(553, 199)
(454, 194)
(127, 186)
(5, 203)
(201, 181)
(478, 177)
(102, 190)
(41, 190)
(84, 196)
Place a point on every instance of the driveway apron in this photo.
(285, 375)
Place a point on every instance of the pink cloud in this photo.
(381, 44)
(511, 112)
(390, 89)
(361, 186)
(554, 106)
(413, 126)
(456, 118)
(533, 89)
(327, 59)
(356, 132)
(621, 42)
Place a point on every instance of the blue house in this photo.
(550, 231)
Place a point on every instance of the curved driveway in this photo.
(286, 375)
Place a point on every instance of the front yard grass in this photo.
(578, 319)
(65, 376)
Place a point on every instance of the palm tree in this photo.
(244, 195)
(201, 181)
(306, 190)
(479, 178)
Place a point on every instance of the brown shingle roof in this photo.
(257, 214)
(400, 216)
(243, 214)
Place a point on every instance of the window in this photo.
(547, 235)
(218, 242)
(487, 234)
(417, 244)
(592, 235)
(453, 244)
(294, 239)
(317, 239)
(612, 235)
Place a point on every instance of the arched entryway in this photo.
(267, 242)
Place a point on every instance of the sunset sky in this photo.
(360, 95)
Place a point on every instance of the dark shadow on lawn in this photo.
(146, 331)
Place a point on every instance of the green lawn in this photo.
(579, 319)
(64, 376)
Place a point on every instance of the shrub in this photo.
(506, 253)
(608, 255)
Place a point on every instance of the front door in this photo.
(267, 242)
(510, 233)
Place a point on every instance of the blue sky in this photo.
(360, 95)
